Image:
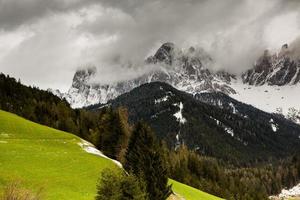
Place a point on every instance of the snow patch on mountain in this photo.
(229, 131)
(234, 110)
(178, 115)
(273, 99)
(163, 99)
(273, 125)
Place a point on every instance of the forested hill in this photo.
(45, 108)
(179, 118)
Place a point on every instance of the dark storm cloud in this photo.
(57, 36)
(227, 29)
(14, 13)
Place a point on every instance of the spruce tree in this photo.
(144, 160)
(114, 133)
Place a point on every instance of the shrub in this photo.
(14, 191)
(116, 185)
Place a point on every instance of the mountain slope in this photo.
(179, 118)
(44, 157)
(273, 83)
(277, 69)
(40, 156)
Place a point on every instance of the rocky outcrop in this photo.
(278, 69)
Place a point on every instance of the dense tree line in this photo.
(229, 181)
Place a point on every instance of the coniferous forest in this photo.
(143, 155)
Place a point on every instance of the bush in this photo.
(116, 185)
(14, 191)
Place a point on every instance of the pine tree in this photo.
(114, 133)
(144, 159)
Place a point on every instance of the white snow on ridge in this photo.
(89, 148)
(178, 115)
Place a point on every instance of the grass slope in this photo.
(39, 156)
(190, 193)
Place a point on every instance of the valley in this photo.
(43, 158)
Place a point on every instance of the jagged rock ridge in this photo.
(277, 69)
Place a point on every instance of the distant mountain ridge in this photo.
(277, 69)
(268, 86)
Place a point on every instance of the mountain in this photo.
(278, 69)
(271, 85)
(231, 130)
(187, 70)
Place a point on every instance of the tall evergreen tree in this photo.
(144, 159)
(115, 132)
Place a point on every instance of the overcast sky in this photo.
(43, 42)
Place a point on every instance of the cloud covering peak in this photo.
(46, 41)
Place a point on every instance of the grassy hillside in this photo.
(190, 193)
(40, 156)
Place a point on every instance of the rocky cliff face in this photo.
(278, 69)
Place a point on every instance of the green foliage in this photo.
(144, 159)
(115, 131)
(116, 185)
(232, 182)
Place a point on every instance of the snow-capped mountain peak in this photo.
(277, 69)
(271, 85)
(187, 70)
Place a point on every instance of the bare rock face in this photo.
(278, 69)
(187, 70)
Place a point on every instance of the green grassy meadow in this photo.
(39, 156)
(190, 193)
